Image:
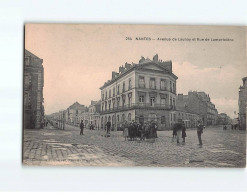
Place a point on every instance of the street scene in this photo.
(128, 110)
(221, 148)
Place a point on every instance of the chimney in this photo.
(156, 58)
(141, 60)
(127, 66)
(121, 69)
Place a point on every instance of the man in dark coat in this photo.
(200, 128)
(81, 127)
(177, 129)
(183, 132)
(108, 128)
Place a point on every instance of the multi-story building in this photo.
(33, 91)
(183, 112)
(242, 104)
(73, 112)
(141, 92)
(94, 114)
(199, 103)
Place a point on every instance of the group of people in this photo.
(134, 130)
(179, 130)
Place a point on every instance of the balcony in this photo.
(139, 106)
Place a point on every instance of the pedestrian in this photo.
(142, 130)
(81, 127)
(46, 123)
(183, 132)
(179, 129)
(134, 129)
(155, 127)
(200, 132)
(126, 131)
(174, 131)
(108, 128)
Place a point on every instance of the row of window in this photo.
(111, 103)
(112, 92)
(141, 83)
(152, 84)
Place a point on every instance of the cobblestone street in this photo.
(66, 147)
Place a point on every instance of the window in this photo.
(109, 104)
(113, 91)
(163, 120)
(129, 117)
(152, 83)
(174, 89)
(113, 103)
(130, 84)
(141, 82)
(141, 120)
(123, 99)
(109, 93)
(162, 85)
(170, 86)
(174, 117)
(102, 96)
(141, 98)
(123, 86)
(130, 100)
(152, 100)
(118, 89)
(27, 61)
(171, 101)
(118, 101)
(106, 106)
(106, 95)
(162, 101)
(123, 117)
(102, 106)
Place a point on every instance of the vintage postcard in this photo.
(134, 95)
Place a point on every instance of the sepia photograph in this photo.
(129, 95)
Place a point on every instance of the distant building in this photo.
(73, 112)
(142, 92)
(224, 119)
(242, 104)
(199, 103)
(183, 112)
(94, 114)
(33, 91)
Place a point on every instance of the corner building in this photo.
(33, 91)
(141, 92)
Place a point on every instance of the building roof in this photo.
(166, 66)
(31, 54)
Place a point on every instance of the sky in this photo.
(78, 59)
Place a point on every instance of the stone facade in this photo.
(242, 104)
(199, 103)
(183, 112)
(94, 114)
(73, 112)
(141, 92)
(33, 91)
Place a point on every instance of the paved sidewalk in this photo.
(66, 147)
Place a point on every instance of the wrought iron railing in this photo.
(139, 105)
